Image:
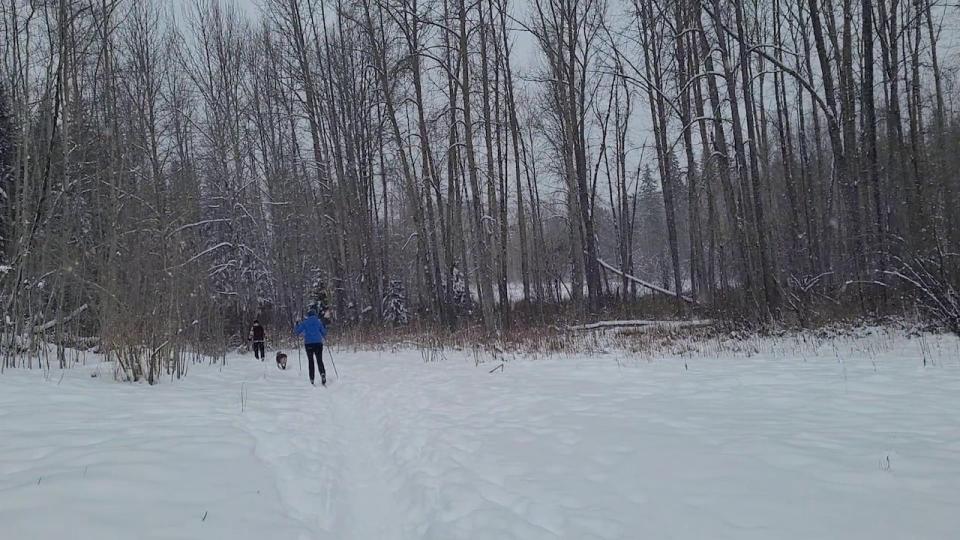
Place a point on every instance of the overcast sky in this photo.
(526, 55)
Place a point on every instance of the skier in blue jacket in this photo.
(314, 332)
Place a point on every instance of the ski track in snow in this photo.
(853, 440)
(325, 446)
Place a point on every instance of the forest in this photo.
(171, 170)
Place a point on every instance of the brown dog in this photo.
(281, 360)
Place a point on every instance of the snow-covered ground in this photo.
(847, 438)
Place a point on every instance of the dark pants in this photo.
(258, 350)
(315, 350)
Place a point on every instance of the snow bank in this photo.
(847, 438)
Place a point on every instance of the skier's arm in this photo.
(323, 330)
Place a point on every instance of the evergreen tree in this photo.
(653, 262)
(395, 304)
(318, 298)
(459, 288)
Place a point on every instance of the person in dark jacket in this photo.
(314, 332)
(258, 337)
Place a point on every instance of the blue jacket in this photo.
(312, 329)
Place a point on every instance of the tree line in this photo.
(168, 171)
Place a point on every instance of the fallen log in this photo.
(50, 324)
(646, 284)
(604, 325)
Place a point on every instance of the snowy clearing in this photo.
(845, 438)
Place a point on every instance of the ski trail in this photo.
(325, 446)
(284, 419)
(370, 507)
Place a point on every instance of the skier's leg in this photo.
(310, 361)
(323, 372)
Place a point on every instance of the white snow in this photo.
(850, 438)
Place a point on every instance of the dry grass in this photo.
(721, 339)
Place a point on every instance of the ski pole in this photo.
(298, 360)
(334, 364)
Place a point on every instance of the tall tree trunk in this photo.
(871, 166)
(770, 286)
(652, 48)
(693, 203)
(483, 250)
(515, 137)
